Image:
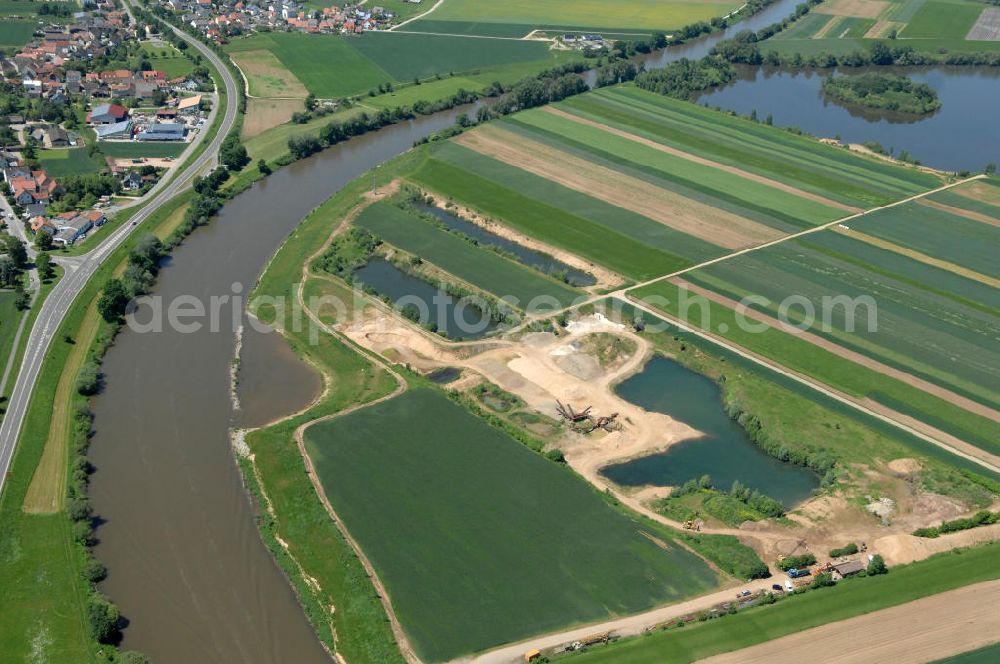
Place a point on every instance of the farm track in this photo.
(754, 177)
(961, 212)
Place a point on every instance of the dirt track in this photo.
(710, 224)
(921, 631)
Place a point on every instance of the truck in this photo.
(795, 572)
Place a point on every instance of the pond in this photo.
(534, 259)
(444, 375)
(963, 134)
(725, 452)
(455, 317)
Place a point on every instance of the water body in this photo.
(535, 259)
(273, 380)
(444, 375)
(962, 134)
(448, 314)
(186, 563)
(725, 452)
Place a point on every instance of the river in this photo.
(187, 566)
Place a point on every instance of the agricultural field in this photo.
(60, 162)
(16, 33)
(139, 149)
(359, 64)
(918, 317)
(516, 18)
(852, 598)
(646, 186)
(840, 26)
(500, 543)
(478, 266)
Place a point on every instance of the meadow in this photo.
(356, 65)
(478, 266)
(16, 33)
(842, 27)
(926, 321)
(60, 162)
(517, 18)
(168, 60)
(854, 597)
(10, 317)
(138, 149)
(479, 540)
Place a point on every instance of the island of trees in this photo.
(883, 91)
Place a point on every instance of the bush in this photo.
(94, 570)
(822, 580)
(88, 381)
(981, 518)
(800, 561)
(848, 550)
(877, 566)
(730, 555)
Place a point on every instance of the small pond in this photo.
(534, 259)
(457, 319)
(724, 452)
(444, 375)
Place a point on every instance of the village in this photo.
(92, 124)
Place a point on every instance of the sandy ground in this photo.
(264, 113)
(268, 77)
(711, 224)
(132, 162)
(853, 356)
(979, 191)
(859, 8)
(902, 548)
(920, 631)
(701, 160)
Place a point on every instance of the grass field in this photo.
(847, 599)
(841, 27)
(168, 60)
(516, 18)
(499, 543)
(360, 64)
(60, 162)
(477, 266)
(16, 33)
(126, 149)
(10, 317)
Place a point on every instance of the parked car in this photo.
(778, 587)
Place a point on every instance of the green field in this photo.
(853, 379)
(124, 149)
(924, 320)
(60, 162)
(16, 33)
(479, 540)
(168, 60)
(359, 64)
(516, 18)
(847, 599)
(477, 266)
(10, 317)
(985, 655)
(942, 20)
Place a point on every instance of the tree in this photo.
(43, 241)
(44, 265)
(113, 301)
(262, 167)
(233, 154)
(990, 169)
(15, 249)
(310, 102)
(877, 566)
(88, 381)
(103, 617)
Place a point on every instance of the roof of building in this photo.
(115, 110)
(112, 129)
(849, 567)
(189, 102)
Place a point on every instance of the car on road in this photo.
(745, 593)
(778, 587)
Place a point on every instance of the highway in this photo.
(80, 270)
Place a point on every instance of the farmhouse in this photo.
(106, 114)
(51, 136)
(189, 104)
(849, 568)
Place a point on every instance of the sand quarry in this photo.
(543, 368)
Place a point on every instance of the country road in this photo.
(77, 275)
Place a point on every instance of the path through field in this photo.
(924, 630)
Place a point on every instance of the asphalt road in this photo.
(80, 270)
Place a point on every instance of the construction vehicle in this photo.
(532, 655)
(691, 525)
(583, 421)
(795, 572)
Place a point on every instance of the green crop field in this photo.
(16, 33)
(809, 359)
(847, 599)
(516, 18)
(547, 221)
(943, 20)
(966, 242)
(796, 160)
(479, 540)
(478, 266)
(126, 149)
(985, 655)
(923, 320)
(60, 162)
(355, 65)
(776, 208)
